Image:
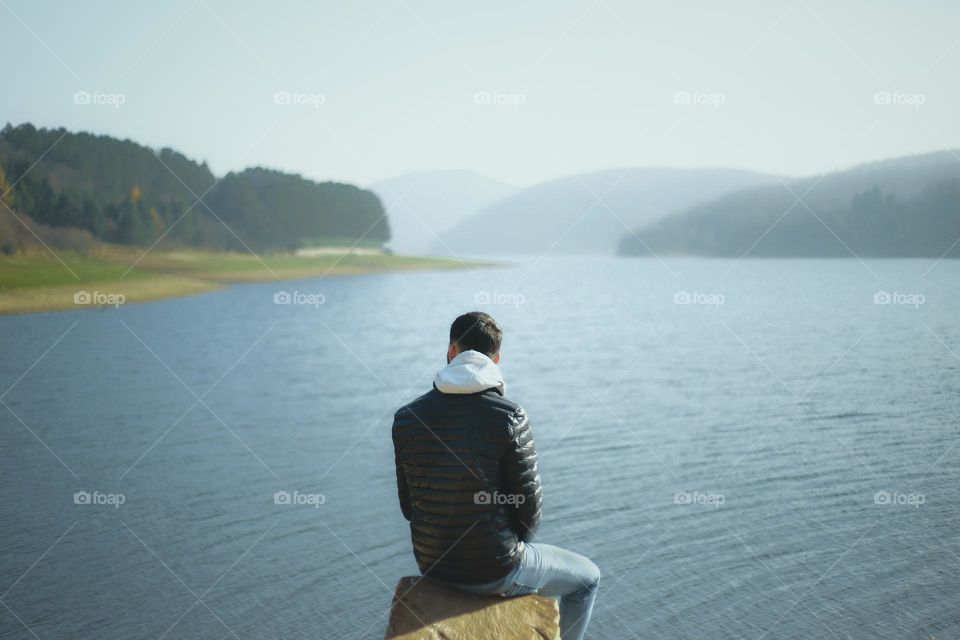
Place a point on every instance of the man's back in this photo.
(468, 483)
(467, 478)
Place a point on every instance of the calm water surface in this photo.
(778, 459)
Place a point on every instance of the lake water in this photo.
(777, 459)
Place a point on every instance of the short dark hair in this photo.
(477, 331)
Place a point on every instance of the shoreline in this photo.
(39, 283)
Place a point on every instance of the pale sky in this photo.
(519, 91)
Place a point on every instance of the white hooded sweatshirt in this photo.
(470, 372)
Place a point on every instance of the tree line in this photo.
(75, 189)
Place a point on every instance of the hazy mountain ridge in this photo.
(901, 207)
(564, 216)
(423, 204)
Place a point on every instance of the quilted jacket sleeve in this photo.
(403, 491)
(521, 478)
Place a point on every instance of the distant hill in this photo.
(284, 211)
(894, 208)
(77, 188)
(545, 216)
(422, 204)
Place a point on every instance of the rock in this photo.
(425, 610)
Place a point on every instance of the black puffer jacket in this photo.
(468, 483)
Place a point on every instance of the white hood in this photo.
(470, 372)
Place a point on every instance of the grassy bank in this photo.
(39, 282)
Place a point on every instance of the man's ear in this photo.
(452, 351)
(496, 358)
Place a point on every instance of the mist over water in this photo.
(765, 448)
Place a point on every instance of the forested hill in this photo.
(74, 188)
(904, 207)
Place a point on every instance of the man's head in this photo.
(475, 331)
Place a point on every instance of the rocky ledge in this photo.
(424, 610)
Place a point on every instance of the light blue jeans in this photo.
(551, 571)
